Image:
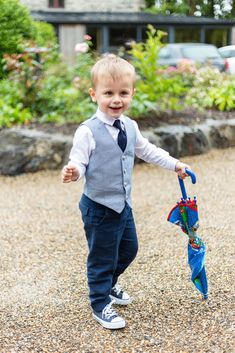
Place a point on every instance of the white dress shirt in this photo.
(84, 144)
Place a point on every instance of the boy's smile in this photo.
(113, 96)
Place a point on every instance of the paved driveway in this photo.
(44, 305)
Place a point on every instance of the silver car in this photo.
(173, 54)
(228, 53)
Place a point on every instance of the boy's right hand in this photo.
(69, 173)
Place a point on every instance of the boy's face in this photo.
(113, 96)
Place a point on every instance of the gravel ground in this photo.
(44, 297)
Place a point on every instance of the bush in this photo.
(59, 93)
(44, 34)
(157, 88)
(64, 94)
(61, 102)
(16, 25)
(12, 110)
(212, 89)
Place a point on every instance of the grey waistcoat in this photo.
(108, 174)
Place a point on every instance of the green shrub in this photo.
(223, 97)
(12, 110)
(156, 87)
(45, 35)
(16, 26)
(212, 89)
(60, 98)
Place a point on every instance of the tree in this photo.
(204, 8)
(16, 25)
(45, 35)
(149, 3)
(169, 7)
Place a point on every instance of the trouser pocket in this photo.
(92, 215)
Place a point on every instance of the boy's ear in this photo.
(92, 94)
(134, 92)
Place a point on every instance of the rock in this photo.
(23, 150)
(222, 134)
(170, 137)
(194, 142)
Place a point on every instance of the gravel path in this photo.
(44, 304)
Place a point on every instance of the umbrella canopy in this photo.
(185, 215)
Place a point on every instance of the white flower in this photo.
(81, 47)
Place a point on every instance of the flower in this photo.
(76, 81)
(186, 66)
(81, 48)
(87, 37)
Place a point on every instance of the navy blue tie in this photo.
(122, 139)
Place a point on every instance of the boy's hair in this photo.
(112, 66)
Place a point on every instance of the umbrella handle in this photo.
(192, 175)
(181, 182)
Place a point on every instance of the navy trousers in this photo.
(113, 245)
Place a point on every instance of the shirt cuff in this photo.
(171, 163)
(81, 169)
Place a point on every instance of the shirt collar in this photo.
(106, 118)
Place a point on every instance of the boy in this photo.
(103, 150)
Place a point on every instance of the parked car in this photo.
(173, 54)
(228, 53)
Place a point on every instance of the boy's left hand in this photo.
(180, 169)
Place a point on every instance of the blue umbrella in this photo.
(185, 215)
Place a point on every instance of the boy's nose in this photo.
(116, 99)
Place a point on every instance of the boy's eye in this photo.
(124, 93)
(108, 93)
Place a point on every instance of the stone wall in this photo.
(89, 5)
(23, 150)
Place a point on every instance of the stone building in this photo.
(112, 23)
(85, 6)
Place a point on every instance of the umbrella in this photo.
(185, 215)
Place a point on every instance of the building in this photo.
(112, 23)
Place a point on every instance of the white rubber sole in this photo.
(120, 301)
(110, 325)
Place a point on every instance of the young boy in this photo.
(103, 151)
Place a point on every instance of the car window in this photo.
(164, 53)
(200, 52)
(227, 53)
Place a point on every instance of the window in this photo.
(96, 37)
(55, 4)
(227, 53)
(121, 37)
(187, 35)
(198, 52)
(218, 36)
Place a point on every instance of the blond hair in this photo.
(112, 66)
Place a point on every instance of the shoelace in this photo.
(117, 288)
(108, 311)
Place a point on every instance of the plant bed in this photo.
(187, 117)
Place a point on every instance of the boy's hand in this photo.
(180, 169)
(69, 173)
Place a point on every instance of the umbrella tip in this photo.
(205, 297)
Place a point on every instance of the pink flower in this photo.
(87, 37)
(76, 82)
(81, 47)
(171, 69)
(186, 66)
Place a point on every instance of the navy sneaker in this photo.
(108, 318)
(119, 296)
